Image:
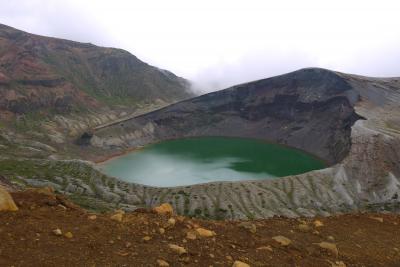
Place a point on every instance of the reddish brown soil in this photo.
(27, 239)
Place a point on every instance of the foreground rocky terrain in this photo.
(48, 230)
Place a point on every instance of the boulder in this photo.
(164, 209)
(6, 201)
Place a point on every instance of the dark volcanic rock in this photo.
(310, 109)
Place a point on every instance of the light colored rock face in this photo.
(6, 201)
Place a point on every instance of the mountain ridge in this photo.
(81, 75)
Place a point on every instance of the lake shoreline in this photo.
(201, 159)
(115, 155)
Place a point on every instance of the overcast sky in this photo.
(218, 43)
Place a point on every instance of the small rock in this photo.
(162, 263)
(92, 217)
(164, 209)
(128, 244)
(240, 264)
(146, 238)
(265, 248)
(251, 227)
(191, 235)
(122, 253)
(57, 232)
(304, 228)
(184, 259)
(338, 264)
(171, 222)
(229, 258)
(62, 207)
(283, 241)
(318, 223)
(118, 216)
(331, 238)
(177, 249)
(379, 219)
(68, 235)
(212, 256)
(330, 247)
(180, 218)
(161, 230)
(205, 233)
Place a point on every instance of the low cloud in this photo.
(216, 44)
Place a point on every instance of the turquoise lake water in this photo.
(207, 159)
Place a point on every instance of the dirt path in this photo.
(27, 238)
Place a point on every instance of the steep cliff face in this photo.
(310, 109)
(42, 73)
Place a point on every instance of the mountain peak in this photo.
(84, 75)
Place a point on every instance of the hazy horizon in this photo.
(222, 43)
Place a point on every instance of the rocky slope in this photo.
(48, 230)
(47, 74)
